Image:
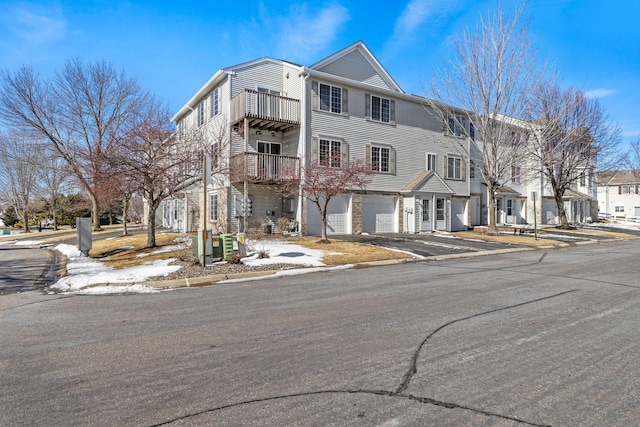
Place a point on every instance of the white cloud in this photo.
(36, 27)
(600, 93)
(305, 33)
(300, 34)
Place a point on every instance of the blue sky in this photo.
(172, 48)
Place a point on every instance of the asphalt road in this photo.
(528, 338)
(24, 268)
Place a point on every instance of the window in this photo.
(516, 138)
(472, 170)
(380, 159)
(515, 174)
(215, 157)
(330, 153)
(454, 167)
(213, 207)
(619, 208)
(583, 180)
(472, 132)
(380, 109)
(330, 98)
(431, 162)
(215, 103)
(455, 125)
(201, 113)
(627, 189)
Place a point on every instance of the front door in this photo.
(441, 214)
(425, 224)
(511, 211)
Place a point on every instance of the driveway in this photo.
(426, 245)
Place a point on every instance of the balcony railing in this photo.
(265, 111)
(265, 168)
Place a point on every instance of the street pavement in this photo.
(533, 338)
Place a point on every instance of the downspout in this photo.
(303, 138)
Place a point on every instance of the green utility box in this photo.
(227, 245)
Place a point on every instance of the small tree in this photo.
(157, 162)
(570, 134)
(323, 179)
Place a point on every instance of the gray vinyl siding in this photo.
(292, 85)
(265, 74)
(354, 66)
(415, 133)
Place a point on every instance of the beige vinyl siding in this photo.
(292, 85)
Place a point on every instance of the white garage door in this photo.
(378, 214)
(337, 217)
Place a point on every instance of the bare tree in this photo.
(570, 135)
(53, 178)
(157, 161)
(18, 155)
(488, 79)
(323, 179)
(84, 111)
(632, 159)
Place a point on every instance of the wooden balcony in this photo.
(265, 111)
(264, 168)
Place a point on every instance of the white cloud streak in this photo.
(600, 93)
(37, 28)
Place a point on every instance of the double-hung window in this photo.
(454, 167)
(380, 109)
(515, 174)
(455, 125)
(330, 98)
(215, 103)
(431, 162)
(201, 113)
(330, 153)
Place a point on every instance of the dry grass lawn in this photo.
(125, 251)
(339, 252)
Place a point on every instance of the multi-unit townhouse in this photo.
(264, 120)
(619, 194)
(268, 118)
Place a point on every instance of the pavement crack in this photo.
(385, 393)
(413, 369)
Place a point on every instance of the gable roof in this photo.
(426, 181)
(356, 62)
(618, 177)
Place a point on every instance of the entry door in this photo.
(269, 106)
(441, 214)
(499, 219)
(511, 211)
(425, 224)
(268, 164)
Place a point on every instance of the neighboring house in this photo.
(619, 194)
(267, 118)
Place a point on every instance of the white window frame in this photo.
(619, 208)
(379, 165)
(454, 172)
(515, 174)
(215, 103)
(334, 102)
(455, 125)
(334, 160)
(378, 113)
(201, 113)
(432, 161)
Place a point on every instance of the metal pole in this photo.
(535, 215)
(204, 210)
